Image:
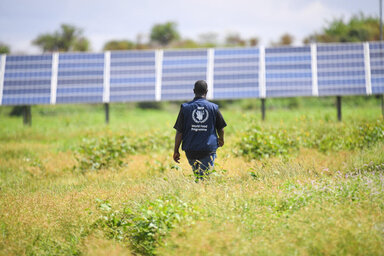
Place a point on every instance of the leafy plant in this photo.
(145, 226)
(96, 154)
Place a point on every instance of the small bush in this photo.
(260, 143)
(96, 154)
(102, 153)
(145, 226)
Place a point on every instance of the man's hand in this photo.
(176, 156)
(221, 142)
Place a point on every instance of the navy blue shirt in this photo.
(198, 121)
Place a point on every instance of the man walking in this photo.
(200, 126)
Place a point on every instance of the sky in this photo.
(21, 21)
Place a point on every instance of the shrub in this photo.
(145, 226)
(259, 143)
(96, 154)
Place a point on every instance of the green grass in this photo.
(303, 200)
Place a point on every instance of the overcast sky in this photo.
(102, 20)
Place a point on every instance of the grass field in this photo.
(299, 183)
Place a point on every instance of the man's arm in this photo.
(220, 134)
(178, 139)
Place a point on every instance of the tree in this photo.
(285, 39)
(234, 39)
(359, 28)
(253, 41)
(68, 38)
(164, 33)
(4, 49)
(119, 45)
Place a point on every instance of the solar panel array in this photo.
(180, 68)
(377, 67)
(236, 73)
(132, 76)
(153, 75)
(341, 69)
(288, 71)
(80, 78)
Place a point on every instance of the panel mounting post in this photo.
(27, 115)
(106, 107)
(338, 106)
(263, 109)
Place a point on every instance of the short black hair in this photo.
(201, 87)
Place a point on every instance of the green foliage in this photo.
(260, 142)
(101, 153)
(359, 28)
(119, 45)
(145, 226)
(68, 38)
(96, 154)
(4, 49)
(164, 33)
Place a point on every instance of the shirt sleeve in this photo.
(220, 122)
(179, 125)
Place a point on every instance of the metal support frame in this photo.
(210, 71)
(107, 75)
(159, 73)
(367, 69)
(262, 82)
(55, 69)
(338, 106)
(2, 71)
(27, 115)
(315, 87)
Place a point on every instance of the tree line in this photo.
(358, 28)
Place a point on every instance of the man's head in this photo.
(201, 88)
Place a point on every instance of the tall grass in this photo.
(138, 201)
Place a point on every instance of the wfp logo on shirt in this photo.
(200, 115)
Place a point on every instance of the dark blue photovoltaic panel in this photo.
(133, 76)
(377, 67)
(80, 78)
(288, 71)
(181, 69)
(27, 80)
(236, 73)
(340, 69)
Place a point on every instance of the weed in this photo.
(145, 226)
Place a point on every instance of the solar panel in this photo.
(341, 69)
(377, 67)
(80, 78)
(27, 80)
(121, 76)
(180, 70)
(288, 71)
(236, 73)
(132, 76)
